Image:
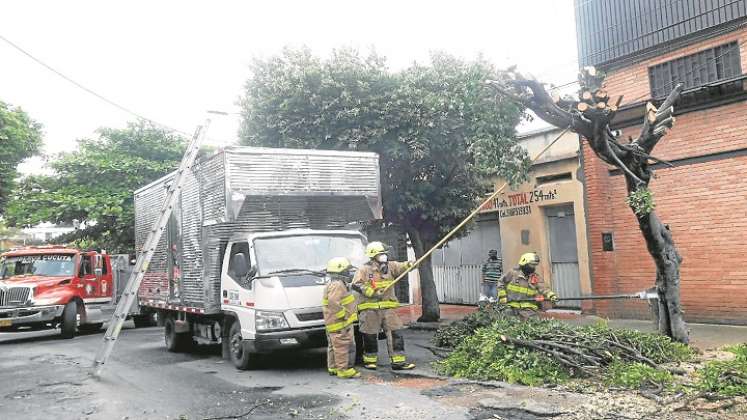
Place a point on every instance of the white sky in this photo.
(173, 60)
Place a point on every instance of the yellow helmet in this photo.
(338, 265)
(530, 258)
(375, 248)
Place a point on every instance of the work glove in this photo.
(379, 293)
(553, 298)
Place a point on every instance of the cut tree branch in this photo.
(591, 116)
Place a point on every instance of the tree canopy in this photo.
(438, 130)
(20, 138)
(95, 183)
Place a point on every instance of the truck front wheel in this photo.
(175, 342)
(69, 320)
(241, 358)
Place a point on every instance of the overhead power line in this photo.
(88, 90)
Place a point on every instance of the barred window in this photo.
(708, 66)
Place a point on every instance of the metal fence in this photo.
(457, 283)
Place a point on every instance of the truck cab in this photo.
(272, 286)
(47, 287)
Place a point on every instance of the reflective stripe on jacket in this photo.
(338, 305)
(517, 288)
(369, 278)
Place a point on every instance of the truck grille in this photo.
(14, 296)
(309, 316)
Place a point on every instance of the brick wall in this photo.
(633, 83)
(705, 204)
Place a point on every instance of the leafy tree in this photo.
(94, 185)
(20, 138)
(436, 128)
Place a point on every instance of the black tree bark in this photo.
(429, 295)
(590, 116)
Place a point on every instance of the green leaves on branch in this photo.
(95, 185)
(725, 378)
(636, 375)
(539, 351)
(437, 128)
(20, 138)
(641, 201)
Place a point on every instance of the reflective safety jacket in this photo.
(516, 286)
(338, 305)
(369, 278)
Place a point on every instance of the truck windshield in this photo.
(37, 265)
(306, 252)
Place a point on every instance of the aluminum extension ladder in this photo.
(141, 265)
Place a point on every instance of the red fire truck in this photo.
(52, 286)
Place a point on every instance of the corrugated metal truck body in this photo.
(246, 190)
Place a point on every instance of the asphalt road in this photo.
(45, 377)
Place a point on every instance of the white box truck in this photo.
(241, 260)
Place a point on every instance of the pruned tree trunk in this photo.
(429, 295)
(667, 259)
(590, 116)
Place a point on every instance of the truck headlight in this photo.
(265, 320)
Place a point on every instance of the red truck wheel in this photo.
(69, 320)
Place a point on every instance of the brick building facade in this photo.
(703, 197)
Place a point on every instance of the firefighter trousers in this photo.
(524, 314)
(341, 352)
(374, 320)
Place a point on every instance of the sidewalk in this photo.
(702, 336)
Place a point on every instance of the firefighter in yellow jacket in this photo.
(377, 307)
(338, 305)
(522, 289)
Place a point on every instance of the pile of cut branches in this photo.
(546, 351)
(453, 334)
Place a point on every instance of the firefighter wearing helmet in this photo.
(377, 307)
(338, 306)
(522, 288)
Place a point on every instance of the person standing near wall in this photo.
(492, 271)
